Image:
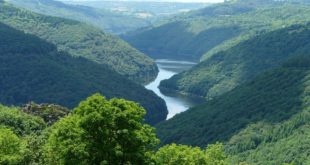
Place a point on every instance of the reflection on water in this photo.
(176, 103)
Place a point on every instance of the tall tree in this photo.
(101, 131)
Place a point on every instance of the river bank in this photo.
(176, 103)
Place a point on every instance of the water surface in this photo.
(176, 103)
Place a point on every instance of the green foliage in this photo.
(27, 148)
(82, 40)
(271, 97)
(283, 142)
(226, 70)
(11, 147)
(33, 70)
(215, 154)
(102, 131)
(179, 155)
(35, 147)
(65, 144)
(185, 155)
(21, 123)
(264, 143)
(98, 131)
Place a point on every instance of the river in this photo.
(176, 103)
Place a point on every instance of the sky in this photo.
(210, 1)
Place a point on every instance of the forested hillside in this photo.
(264, 121)
(226, 70)
(111, 22)
(33, 70)
(216, 28)
(98, 131)
(82, 40)
(230, 8)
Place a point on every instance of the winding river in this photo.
(176, 103)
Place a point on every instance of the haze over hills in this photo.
(109, 21)
(83, 40)
(214, 28)
(154, 9)
(111, 16)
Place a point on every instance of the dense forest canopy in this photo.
(227, 69)
(33, 70)
(82, 40)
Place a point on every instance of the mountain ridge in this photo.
(240, 63)
(34, 70)
(83, 40)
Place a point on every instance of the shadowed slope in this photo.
(33, 70)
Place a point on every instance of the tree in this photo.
(11, 147)
(101, 131)
(185, 155)
(179, 155)
(215, 154)
(19, 122)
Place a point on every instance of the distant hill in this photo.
(264, 121)
(109, 21)
(83, 40)
(33, 70)
(199, 34)
(231, 7)
(226, 70)
(151, 10)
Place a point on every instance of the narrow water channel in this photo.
(176, 103)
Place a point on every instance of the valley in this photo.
(113, 82)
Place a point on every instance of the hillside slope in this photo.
(33, 70)
(265, 143)
(225, 70)
(111, 22)
(272, 98)
(216, 28)
(82, 40)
